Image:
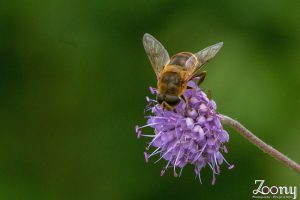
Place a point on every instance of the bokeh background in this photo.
(73, 81)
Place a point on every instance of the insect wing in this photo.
(156, 53)
(197, 62)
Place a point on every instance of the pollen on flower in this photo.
(190, 134)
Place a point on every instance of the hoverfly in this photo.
(174, 73)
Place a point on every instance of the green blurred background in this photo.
(73, 81)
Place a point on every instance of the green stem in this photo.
(259, 143)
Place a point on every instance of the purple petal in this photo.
(189, 134)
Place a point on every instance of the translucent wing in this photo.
(195, 63)
(156, 53)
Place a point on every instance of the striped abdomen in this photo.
(180, 59)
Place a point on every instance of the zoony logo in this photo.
(274, 190)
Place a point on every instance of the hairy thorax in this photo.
(171, 81)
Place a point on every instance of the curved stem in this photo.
(259, 143)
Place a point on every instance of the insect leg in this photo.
(209, 94)
(185, 101)
(201, 76)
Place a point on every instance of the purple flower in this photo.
(190, 134)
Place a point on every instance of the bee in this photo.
(174, 73)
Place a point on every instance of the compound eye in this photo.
(172, 100)
(159, 98)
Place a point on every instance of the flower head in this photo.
(190, 134)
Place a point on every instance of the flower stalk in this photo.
(259, 143)
(193, 134)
